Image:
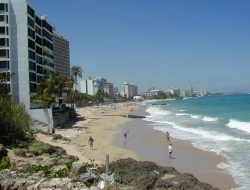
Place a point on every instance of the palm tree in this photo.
(51, 87)
(76, 71)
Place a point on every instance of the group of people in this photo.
(170, 148)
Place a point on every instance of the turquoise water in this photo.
(215, 123)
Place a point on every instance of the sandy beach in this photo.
(106, 125)
(101, 123)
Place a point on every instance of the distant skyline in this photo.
(163, 43)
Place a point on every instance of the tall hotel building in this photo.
(61, 54)
(26, 49)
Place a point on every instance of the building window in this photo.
(31, 33)
(4, 53)
(33, 87)
(38, 21)
(31, 44)
(31, 12)
(2, 30)
(32, 77)
(32, 55)
(30, 22)
(2, 7)
(39, 40)
(4, 64)
(39, 78)
(2, 18)
(32, 65)
(39, 60)
(39, 70)
(2, 42)
(39, 50)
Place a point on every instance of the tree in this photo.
(51, 87)
(76, 71)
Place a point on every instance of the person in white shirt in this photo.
(170, 149)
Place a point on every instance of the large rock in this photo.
(78, 167)
(147, 175)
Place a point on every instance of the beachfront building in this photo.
(61, 54)
(109, 89)
(152, 93)
(91, 85)
(130, 90)
(27, 52)
(173, 92)
(189, 91)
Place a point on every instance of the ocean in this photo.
(215, 123)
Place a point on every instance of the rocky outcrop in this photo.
(145, 175)
(43, 166)
(12, 180)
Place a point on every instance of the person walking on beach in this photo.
(170, 149)
(90, 142)
(125, 134)
(167, 136)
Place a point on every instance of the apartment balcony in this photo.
(46, 49)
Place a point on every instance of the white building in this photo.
(176, 92)
(26, 51)
(130, 90)
(91, 86)
(189, 91)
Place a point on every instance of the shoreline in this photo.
(106, 126)
(187, 158)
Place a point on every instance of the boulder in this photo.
(78, 167)
(143, 175)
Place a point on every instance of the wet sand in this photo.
(152, 145)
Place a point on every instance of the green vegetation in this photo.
(4, 163)
(51, 87)
(14, 122)
(46, 170)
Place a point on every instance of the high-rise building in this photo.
(27, 52)
(109, 89)
(130, 90)
(61, 54)
(91, 85)
(26, 48)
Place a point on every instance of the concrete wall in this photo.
(44, 116)
(61, 119)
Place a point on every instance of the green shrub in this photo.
(20, 152)
(14, 122)
(36, 148)
(36, 168)
(5, 163)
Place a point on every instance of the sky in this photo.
(157, 43)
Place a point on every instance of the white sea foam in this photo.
(182, 110)
(210, 135)
(209, 119)
(157, 111)
(181, 114)
(195, 116)
(240, 125)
